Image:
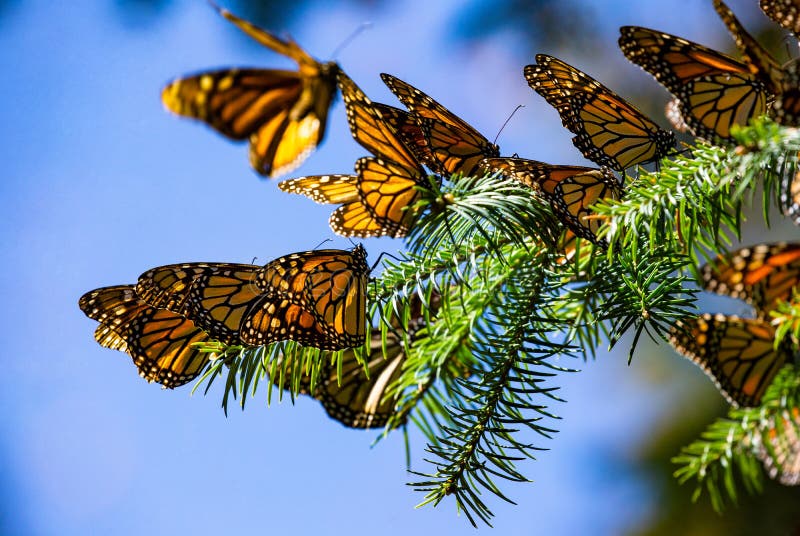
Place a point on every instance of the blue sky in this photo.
(101, 184)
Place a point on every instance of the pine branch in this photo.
(738, 442)
(488, 414)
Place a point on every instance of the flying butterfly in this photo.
(713, 90)
(608, 130)
(784, 12)
(571, 190)
(739, 354)
(282, 113)
(760, 275)
(378, 199)
(160, 342)
(456, 146)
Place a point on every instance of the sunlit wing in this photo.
(160, 342)
(329, 284)
(761, 275)
(283, 113)
(714, 91)
(737, 353)
(571, 190)
(608, 130)
(455, 145)
(756, 57)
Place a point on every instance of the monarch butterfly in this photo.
(761, 275)
(282, 113)
(377, 200)
(571, 190)
(159, 341)
(779, 448)
(355, 399)
(365, 401)
(330, 284)
(784, 12)
(737, 353)
(455, 145)
(714, 91)
(407, 128)
(608, 130)
(316, 298)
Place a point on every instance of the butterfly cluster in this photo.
(318, 298)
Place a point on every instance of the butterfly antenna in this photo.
(326, 240)
(216, 7)
(254, 260)
(507, 120)
(361, 27)
(398, 259)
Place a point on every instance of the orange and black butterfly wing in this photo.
(738, 354)
(283, 113)
(337, 291)
(330, 285)
(356, 399)
(609, 130)
(760, 62)
(714, 91)
(272, 318)
(784, 12)
(290, 274)
(352, 218)
(160, 342)
(407, 128)
(370, 130)
(113, 307)
(761, 275)
(168, 287)
(455, 145)
(219, 300)
(395, 171)
(388, 192)
(571, 190)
